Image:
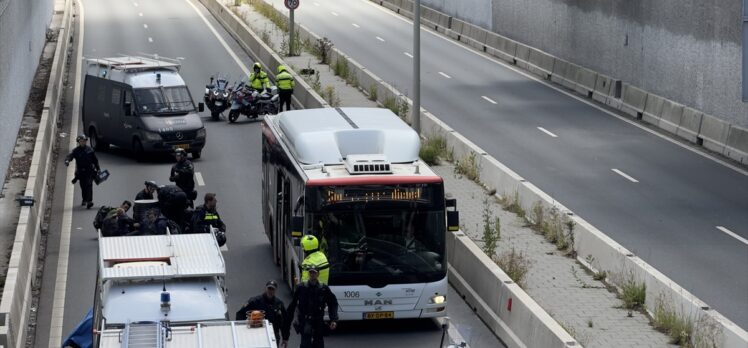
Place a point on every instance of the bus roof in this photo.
(329, 135)
(184, 255)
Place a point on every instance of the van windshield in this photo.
(163, 100)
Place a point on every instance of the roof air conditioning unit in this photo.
(367, 164)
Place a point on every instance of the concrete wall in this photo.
(23, 27)
(688, 51)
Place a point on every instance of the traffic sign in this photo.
(291, 4)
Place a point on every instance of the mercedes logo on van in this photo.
(179, 135)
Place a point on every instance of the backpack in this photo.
(100, 215)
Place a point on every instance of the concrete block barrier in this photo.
(16, 297)
(455, 29)
(633, 100)
(540, 63)
(390, 6)
(653, 109)
(671, 116)
(689, 125)
(713, 133)
(585, 81)
(562, 74)
(737, 144)
(474, 36)
(522, 55)
(505, 49)
(603, 88)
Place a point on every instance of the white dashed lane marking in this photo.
(445, 75)
(733, 235)
(380, 39)
(408, 54)
(628, 177)
(489, 100)
(547, 132)
(199, 179)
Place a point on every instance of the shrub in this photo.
(468, 166)
(515, 265)
(373, 92)
(633, 293)
(491, 230)
(331, 96)
(667, 320)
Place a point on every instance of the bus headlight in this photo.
(438, 299)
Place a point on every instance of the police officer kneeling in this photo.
(311, 298)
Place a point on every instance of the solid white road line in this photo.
(380, 39)
(560, 89)
(733, 234)
(334, 13)
(199, 179)
(150, 39)
(61, 278)
(220, 39)
(628, 177)
(547, 132)
(489, 99)
(408, 54)
(355, 25)
(145, 26)
(445, 75)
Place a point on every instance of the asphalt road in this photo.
(230, 167)
(656, 198)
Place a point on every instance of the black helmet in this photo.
(81, 137)
(151, 183)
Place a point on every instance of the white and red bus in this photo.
(352, 177)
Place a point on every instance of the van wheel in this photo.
(96, 143)
(137, 149)
(197, 154)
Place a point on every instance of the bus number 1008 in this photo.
(351, 294)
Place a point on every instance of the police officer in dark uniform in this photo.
(147, 192)
(311, 297)
(206, 216)
(86, 168)
(272, 306)
(183, 174)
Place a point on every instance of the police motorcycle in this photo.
(217, 96)
(252, 103)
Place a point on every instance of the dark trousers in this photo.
(313, 340)
(285, 98)
(86, 182)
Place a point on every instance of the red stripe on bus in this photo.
(374, 180)
(139, 259)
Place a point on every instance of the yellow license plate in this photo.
(182, 146)
(379, 315)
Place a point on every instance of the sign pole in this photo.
(417, 66)
(290, 32)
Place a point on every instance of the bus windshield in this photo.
(397, 238)
(163, 100)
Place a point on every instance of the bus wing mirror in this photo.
(451, 203)
(200, 107)
(297, 226)
(453, 221)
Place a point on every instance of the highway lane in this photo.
(230, 167)
(658, 199)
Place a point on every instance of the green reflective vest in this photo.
(284, 80)
(318, 259)
(259, 81)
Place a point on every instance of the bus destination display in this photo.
(333, 195)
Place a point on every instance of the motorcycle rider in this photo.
(286, 83)
(258, 79)
(315, 259)
(311, 297)
(183, 175)
(86, 167)
(147, 192)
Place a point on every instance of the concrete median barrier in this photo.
(474, 36)
(652, 109)
(522, 55)
(633, 100)
(670, 116)
(603, 88)
(540, 63)
(17, 295)
(713, 133)
(455, 29)
(690, 124)
(585, 81)
(736, 146)
(563, 74)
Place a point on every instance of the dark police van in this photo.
(142, 104)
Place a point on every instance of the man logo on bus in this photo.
(377, 302)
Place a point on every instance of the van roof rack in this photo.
(137, 63)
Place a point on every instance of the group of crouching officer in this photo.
(172, 212)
